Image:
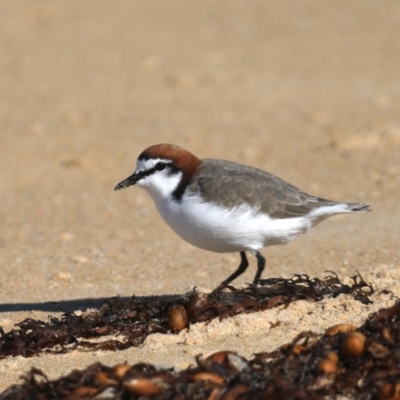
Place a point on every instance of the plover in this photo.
(223, 206)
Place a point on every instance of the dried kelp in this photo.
(130, 322)
(361, 363)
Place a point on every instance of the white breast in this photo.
(215, 228)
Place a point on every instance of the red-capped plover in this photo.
(224, 206)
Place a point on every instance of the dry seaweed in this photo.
(361, 363)
(130, 322)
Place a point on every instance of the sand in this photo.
(307, 91)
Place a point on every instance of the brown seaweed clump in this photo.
(132, 321)
(361, 363)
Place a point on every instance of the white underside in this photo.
(215, 228)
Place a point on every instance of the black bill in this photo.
(131, 180)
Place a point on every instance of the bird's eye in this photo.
(160, 166)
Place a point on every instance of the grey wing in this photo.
(228, 184)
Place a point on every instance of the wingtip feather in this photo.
(359, 207)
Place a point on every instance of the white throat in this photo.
(161, 184)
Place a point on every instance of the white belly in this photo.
(218, 229)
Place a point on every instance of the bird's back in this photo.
(228, 184)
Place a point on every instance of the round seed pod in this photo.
(177, 318)
(84, 392)
(104, 379)
(197, 303)
(353, 344)
(220, 357)
(142, 387)
(333, 356)
(387, 335)
(340, 328)
(387, 392)
(208, 376)
(326, 366)
(120, 370)
(298, 349)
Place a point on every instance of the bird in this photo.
(225, 207)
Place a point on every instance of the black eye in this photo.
(160, 166)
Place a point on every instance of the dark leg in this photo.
(260, 266)
(242, 267)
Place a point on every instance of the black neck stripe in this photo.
(177, 194)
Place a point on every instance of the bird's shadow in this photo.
(74, 305)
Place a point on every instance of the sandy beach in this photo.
(308, 91)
